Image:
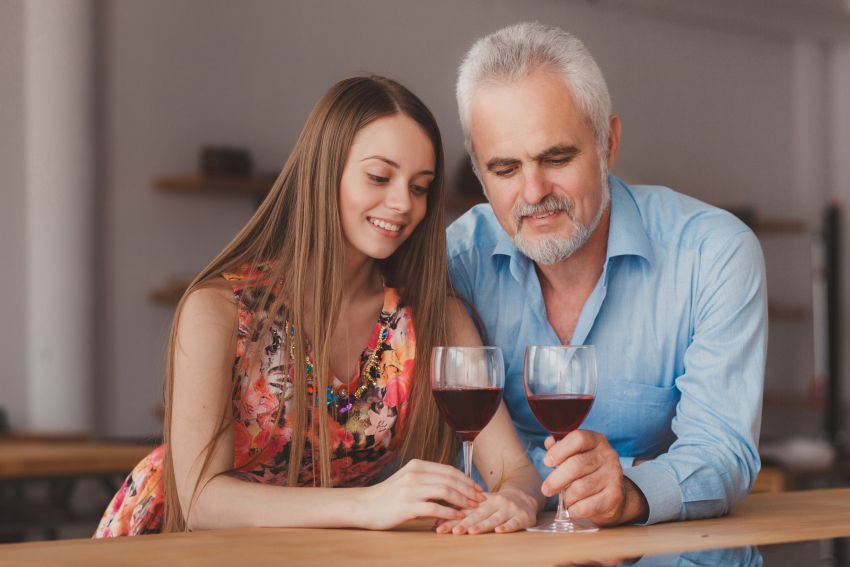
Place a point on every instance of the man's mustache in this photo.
(550, 204)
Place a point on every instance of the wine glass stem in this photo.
(563, 515)
(467, 458)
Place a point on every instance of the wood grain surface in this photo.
(761, 519)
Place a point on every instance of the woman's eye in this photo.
(377, 178)
(418, 189)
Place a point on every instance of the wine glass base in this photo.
(566, 527)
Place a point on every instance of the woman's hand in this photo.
(419, 489)
(505, 511)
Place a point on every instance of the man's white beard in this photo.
(555, 248)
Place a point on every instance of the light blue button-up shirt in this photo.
(679, 321)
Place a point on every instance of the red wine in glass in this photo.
(467, 385)
(560, 414)
(560, 385)
(467, 410)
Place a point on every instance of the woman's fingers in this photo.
(445, 494)
(501, 513)
(488, 524)
(512, 525)
(445, 526)
(433, 510)
(457, 483)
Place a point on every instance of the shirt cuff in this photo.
(662, 492)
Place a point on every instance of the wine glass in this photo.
(467, 385)
(560, 384)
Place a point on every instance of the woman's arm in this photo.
(515, 497)
(203, 359)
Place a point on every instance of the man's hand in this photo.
(589, 468)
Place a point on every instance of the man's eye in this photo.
(504, 172)
(558, 161)
(377, 178)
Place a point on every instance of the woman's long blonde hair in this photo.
(296, 232)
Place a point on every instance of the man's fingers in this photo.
(603, 508)
(578, 441)
(584, 488)
(575, 468)
(580, 482)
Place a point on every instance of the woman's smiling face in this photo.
(383, 195)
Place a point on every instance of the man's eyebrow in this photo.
(395, 165)
(498, 162)
(560, 150)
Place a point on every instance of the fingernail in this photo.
(547, 461)
(472, 503)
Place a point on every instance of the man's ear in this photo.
(613, 140)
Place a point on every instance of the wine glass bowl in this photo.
(560, 385)
(467, 385)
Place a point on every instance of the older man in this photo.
(669, 290)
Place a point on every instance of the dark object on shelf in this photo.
(4, 420)
(747, 215)
(227, 161)
(171, 292)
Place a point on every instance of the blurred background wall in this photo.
(743, 105)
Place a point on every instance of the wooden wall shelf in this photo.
(789, 400)
(780, 226)
(170, 292)
(788, 312)
(255, 186)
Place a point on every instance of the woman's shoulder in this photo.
(207, 321)
(211, 298)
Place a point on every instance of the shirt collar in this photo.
(626, 234)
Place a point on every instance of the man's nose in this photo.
(535, 185)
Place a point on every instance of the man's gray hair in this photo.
(517, 50)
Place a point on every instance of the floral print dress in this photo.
(363, 431)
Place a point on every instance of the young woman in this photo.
(276, 414)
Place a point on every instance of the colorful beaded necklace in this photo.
(341, 399)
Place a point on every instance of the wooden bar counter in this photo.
(761, 519)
